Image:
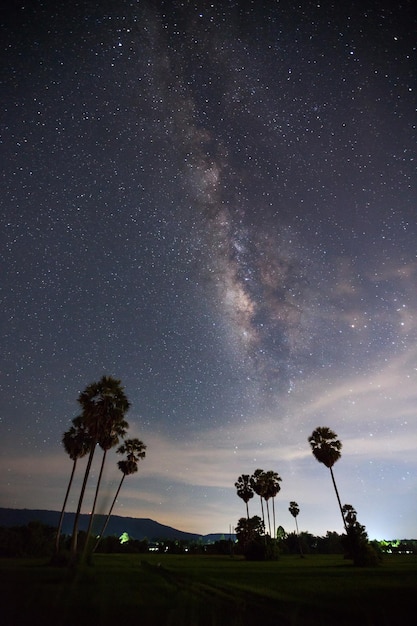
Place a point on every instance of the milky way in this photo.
(217, 205)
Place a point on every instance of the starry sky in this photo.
(214, 202)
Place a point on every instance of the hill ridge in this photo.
(137, 528)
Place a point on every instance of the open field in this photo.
(152, 589)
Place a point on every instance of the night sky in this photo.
(214, 202)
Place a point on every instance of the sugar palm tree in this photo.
(134, 450)
(326, 449)
(244, 490)
(267, 494)
(356, 541)
(257, 482)
(106, 442)
(350, 514)
(104, 405)
(272, 489)
(76, 442)
(294, 509)
(266, 486)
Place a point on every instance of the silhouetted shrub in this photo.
(33, 540)
(262, 549)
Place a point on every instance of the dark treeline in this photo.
(36, 540)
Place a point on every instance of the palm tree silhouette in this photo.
(106, 442)
(257, 482)
(104, 405)
(134, 450)
(272, 480)
(244, 490)
(76, 442)
(294, 509)
(326, 449)
(266, 486)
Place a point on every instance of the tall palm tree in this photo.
(104, 405)
(294, 509)
(272, 488)
(266, 486)
(134, 450)
(106, 442)
(326, 449)
(244, 490)
(266, 491)
(257, 482)
(76, 442)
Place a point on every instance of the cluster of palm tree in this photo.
(102, 424)
(266, 486)
(326, 448)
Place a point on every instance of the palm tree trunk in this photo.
(61, 517)
(90, 523)
(298, 538)
(269, 519)
(80, 500)
(273, 517)
(103, 530)
(338, 499)
(247, 510)
(262, 508)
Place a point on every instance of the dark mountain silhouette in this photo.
(136, 528)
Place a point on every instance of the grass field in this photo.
(151, 589)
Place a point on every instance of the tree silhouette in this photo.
(76, 442)
(134, 450)
(272, 480)
(356, 540)
(249, 530)
(257, 482)
(294, 510)
(266, 486)
(244, 490)
(326, 449)
(104, 405)
(106, 442)
(350, 514)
